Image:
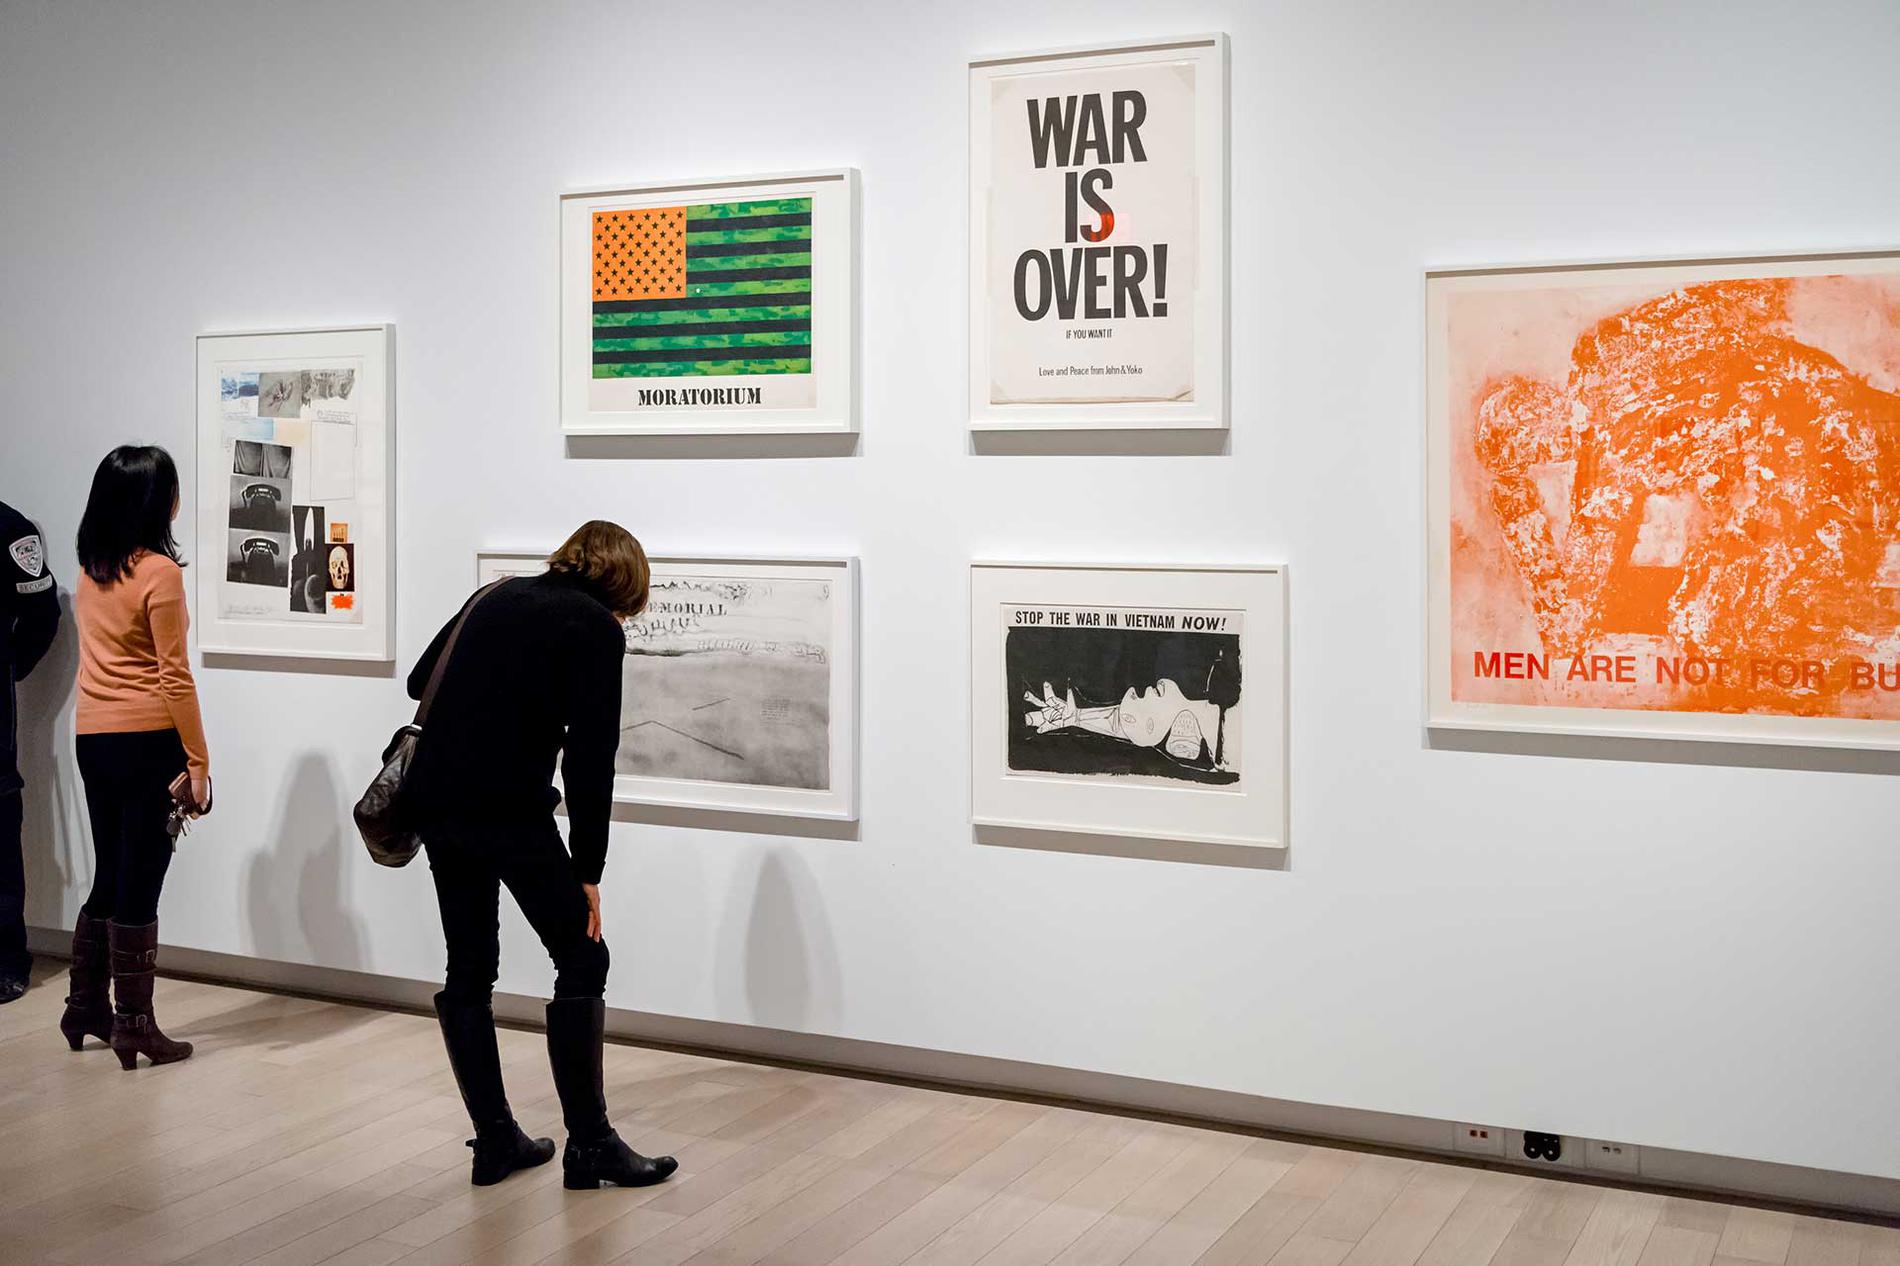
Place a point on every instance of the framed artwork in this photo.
(711, 307)
(1664, 499)
(1141, 702)
(1098, 237)
(740, 686)
(296, 494)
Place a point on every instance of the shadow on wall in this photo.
(299, 911)
(790, 968)
(58, 852)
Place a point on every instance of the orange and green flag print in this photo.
(722, 288)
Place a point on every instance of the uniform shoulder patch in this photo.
(29, 553)
(35, 586)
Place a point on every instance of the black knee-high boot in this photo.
(594, 1153)
(468, 1031)
(135, 1030)
(89, 994)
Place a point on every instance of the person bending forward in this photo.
(535, 671)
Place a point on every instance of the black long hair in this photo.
(134, 492)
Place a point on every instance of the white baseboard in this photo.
(1858, 1194)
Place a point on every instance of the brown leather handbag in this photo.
(388, 836)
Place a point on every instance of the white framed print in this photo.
(711, 307)
(1663, 499)
(296, 468)
(1144, 702)
(1098, 237)
(740, 686)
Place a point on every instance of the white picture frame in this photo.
(653, 384)
(318, 403)
(1097, 775)
(817, 602)
(1032, 368)
(1489, 329)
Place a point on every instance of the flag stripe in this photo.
(740, 222)
(605, 335)
(755, 295)
(696, 262)
(654, 356)
(750, 210)
(727, 276)
(605, 321)
(748, 250)
(695, 368)
(684, 342)
(728, 287)
(783, 233)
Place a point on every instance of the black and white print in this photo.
(257, 558)
(1140, 695)
(307, 566)
(259, 504)
(253, 457)
(728, 680)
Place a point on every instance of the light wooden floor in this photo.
(308, 1132)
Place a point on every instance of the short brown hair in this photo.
(606, 557)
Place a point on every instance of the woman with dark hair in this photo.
(534, 672)
(139, 731)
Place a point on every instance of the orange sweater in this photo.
(134, 674)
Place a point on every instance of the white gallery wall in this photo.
(1691, 947)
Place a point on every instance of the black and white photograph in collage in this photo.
(253, 457)
(309, 577)
(260, 505)
(1125, 703)
(257, 558)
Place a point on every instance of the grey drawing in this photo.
(729, 680)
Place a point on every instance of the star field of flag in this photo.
(722, 288)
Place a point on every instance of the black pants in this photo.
(128, 797)
(14, 960)
(470, 863)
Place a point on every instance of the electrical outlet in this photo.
(1484, 1140)
(1568, 1152)
(1616, 1158)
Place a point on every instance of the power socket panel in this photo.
(1613, 1158)
(1569, 1158)
(1477, 1140)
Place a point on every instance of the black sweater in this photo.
(536, 671)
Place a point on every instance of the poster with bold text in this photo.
(1143, 703)
(1149, 696)
(1666, 500)
(1097, 212)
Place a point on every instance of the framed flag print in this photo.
(711, 307)
(739, 690)
(1098, 237)
(1664, 499)
(296, 494)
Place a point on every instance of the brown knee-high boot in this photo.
(88, 997)
(135, 1031)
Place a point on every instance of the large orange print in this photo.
(1669, 498)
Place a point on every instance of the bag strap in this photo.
(448, 647)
